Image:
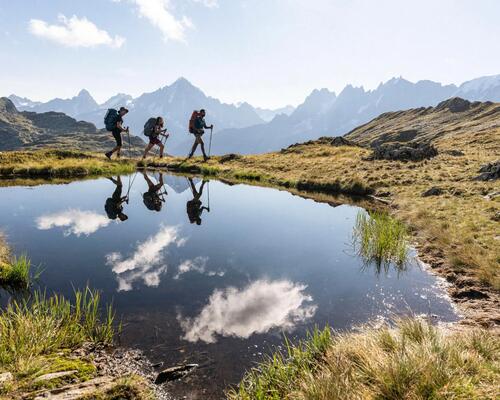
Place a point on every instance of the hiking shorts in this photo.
(117, 134)
(154, 140)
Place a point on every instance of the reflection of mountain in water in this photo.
(179, 184)
(257, 308)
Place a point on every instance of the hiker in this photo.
(197, 127)
(154, 129)
(114, 124)
(195, 207)
(114, 204)
(153, 198)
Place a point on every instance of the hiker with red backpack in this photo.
(113, 121)
(197, 127)
(154, 129)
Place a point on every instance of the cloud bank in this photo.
(77, 222)
(74, 32)
(255, 309)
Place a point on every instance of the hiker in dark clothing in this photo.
(117, 132)
(153, 198)
(198, 130)
(114, 204)
(157, 131)
(195, 207)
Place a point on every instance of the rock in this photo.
(403, 152)
(174, 373)
(75, 391)
(341, 141)
(433, 191)
(496, 217)
(5, 378)
(54, 375)
(229, 157)
(489, 172)
(491, 196)
(454, 153)
(455, 104)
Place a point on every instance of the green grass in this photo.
(412, 360)
(17, 273)
(381, 239)
(125, 388)
(37, 334)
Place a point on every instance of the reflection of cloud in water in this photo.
(146, 262)
(77, 222)
(255, 309)
(198, 264)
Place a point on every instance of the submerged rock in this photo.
(174, 373)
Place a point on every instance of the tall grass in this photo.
(33, 329)
(273, 378)
(412, 360)
(381, 239)
(17, 273)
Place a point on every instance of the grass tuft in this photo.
(381, 239)
(412, 360)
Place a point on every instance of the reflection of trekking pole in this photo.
(208, 191)
(210, 143)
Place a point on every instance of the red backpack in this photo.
(192, 120)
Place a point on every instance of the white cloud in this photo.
(198, 264)
(74, 32)
(159, 14)
(146, 263)
(255, 309)
(77, 222)
(208, 3)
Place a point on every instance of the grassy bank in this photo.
(457, 230)
(412, 360)
(15, 272)
(59, 164)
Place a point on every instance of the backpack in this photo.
(149, 127)
(110, 119)
(192, 120)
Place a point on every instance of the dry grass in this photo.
(413, 360)
(59, 164)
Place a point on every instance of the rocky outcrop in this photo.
(489, 172)
(433, 191)
(403, 152)
(455, 105)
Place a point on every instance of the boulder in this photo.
(229, 157)
(455, 104)
(433, 191)
(489, 172)
(404, 152)
(341, 141)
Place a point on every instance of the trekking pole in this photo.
(210, 143)
(129, 146)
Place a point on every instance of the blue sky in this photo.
(267, 52)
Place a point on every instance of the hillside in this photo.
(29, 130)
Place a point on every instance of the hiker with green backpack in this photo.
(153, 129)
(197, 127)
(113, 121)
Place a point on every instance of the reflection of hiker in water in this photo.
(195, 207)
(114, 204)
(153, 198)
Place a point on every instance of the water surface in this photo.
(214, 281)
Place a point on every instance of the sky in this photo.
(267, 52)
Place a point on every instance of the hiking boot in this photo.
(108, 154)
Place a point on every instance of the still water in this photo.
(209, 273)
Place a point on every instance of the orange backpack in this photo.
(192, 120)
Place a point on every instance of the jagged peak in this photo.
(6, 105)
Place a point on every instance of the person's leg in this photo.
(202, 145)
(146, 151)
(118, 138)
(162, 147)
(193, 149)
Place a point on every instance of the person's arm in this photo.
(119, 125)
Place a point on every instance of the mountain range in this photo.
(245, 129)
(28, 130)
